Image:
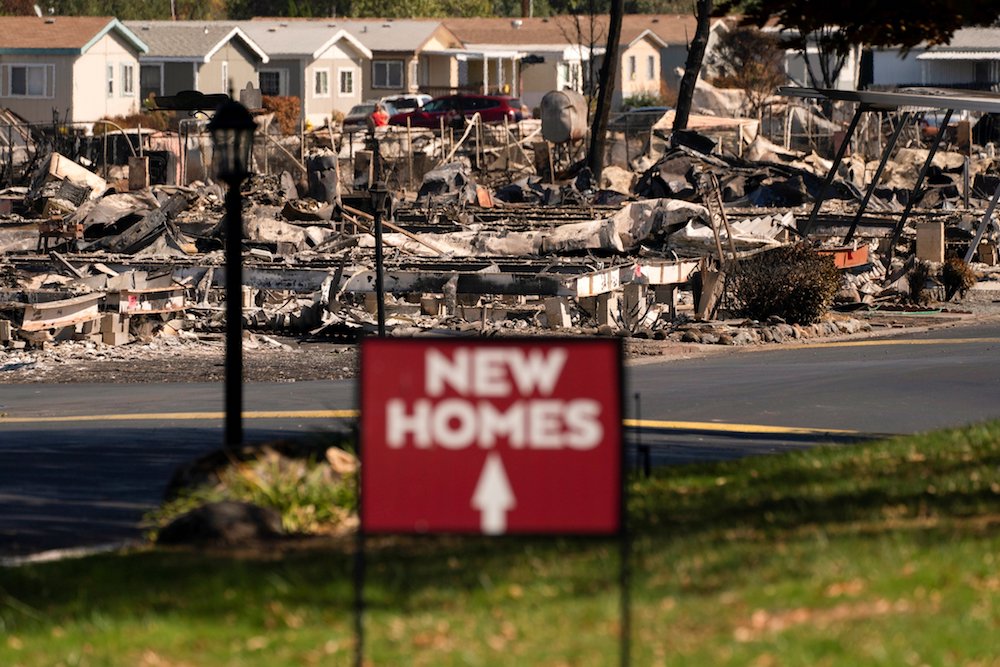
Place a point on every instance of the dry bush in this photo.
(792, 282)
(957, 277)
(751, 60)
(918, 277)
(148, 120)
(287, 111)
(668, 94)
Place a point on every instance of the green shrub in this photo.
(647, 98)
(310, 497)
(792, 282)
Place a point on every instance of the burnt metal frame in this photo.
(925, 98)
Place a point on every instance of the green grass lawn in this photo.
(877, 554)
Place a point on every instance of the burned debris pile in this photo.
(477, 240)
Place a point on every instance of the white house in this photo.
(79, 68)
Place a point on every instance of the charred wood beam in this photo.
(143, 232)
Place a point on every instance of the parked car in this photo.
(407, 102)
(456, 109)
(356, 119)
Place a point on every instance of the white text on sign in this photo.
(530, 422)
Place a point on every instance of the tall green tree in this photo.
(128, 10)
(17, 7)
(246, 9)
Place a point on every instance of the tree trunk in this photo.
(692, 67)
(599, 128)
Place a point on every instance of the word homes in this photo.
(468, 413)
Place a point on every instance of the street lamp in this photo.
(232, 129)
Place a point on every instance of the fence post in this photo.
(10, 154)
(409, 154)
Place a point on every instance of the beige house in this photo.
(79, 68)
(206, 56)
(407, 55)
(527, 57)
(317, 61)
(674, 32)
(640, 66)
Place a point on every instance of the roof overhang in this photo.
(562, 51)
(237, 32)
(477, 53)
(113, 25)
(119, 27)
(349, 38)
(978, 54)
(653, 37)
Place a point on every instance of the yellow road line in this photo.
(351, 414)
(185, 416)
(879, 342)
(734, 428)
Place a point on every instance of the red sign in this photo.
(492, 437)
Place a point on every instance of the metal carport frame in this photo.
(909, 100)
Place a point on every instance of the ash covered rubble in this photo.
(474, 250)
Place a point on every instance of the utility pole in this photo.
(599, 128)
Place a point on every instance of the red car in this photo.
(456, 109)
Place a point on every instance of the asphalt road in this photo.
(80, 463)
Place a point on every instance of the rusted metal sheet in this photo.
(847, 258)
(61, 313)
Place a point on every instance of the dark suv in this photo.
(456, 109)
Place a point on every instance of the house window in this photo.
(150, 80)
(29, 80)
(631, 67)
(347, 82)
(225, 76)
(270, 82)
(414, 73)
(387, 74)
(650, 67)
(321, 83)
(110, 86)
(128, 80)
(569, 76)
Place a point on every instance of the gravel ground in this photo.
(173, 360)
(268, 359)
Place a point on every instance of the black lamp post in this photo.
(232, 129)
(379, 194)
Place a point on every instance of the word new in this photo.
(533, 420)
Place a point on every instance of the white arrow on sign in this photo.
(493, 496)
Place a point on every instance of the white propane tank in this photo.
(564, 116)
